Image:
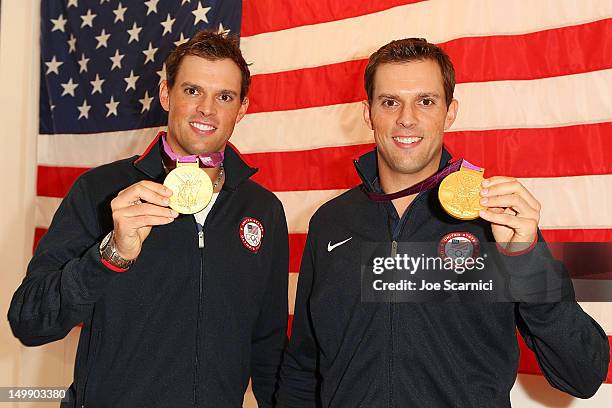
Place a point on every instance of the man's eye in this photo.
(191, 91)
(427, 102)
(389, 103)
(225, 97)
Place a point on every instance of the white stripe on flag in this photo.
(540, 103)
(600, 311)
(356, 38)
(567, 202)
(92, 149)
(573, 202)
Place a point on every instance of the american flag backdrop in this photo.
(534, 90)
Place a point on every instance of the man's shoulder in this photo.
(116, 167)
(349, 204)
(110, 176)
(256, 191)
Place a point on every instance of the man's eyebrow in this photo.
(424, 94)
(387, 96)
(229, 91)
(433, 95)
(190, 85)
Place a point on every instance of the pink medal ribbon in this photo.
(208, 160)
(424, 185)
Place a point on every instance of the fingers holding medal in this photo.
(514, 213)
(510, 207)
(135, 211)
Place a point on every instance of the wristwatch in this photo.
(108, 252)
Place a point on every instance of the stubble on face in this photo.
(408, 115)
(203, 105)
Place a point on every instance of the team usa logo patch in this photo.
(251, 233)
(459, 245)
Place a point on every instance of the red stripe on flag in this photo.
(578, 235)
(529, 365)
(38, 234)
(296, 248)
(261, 16)
(319, 169)
(569, 50)
(579, 150)
(56, 181)
(309, 87)
(555, 52)
(289, 325)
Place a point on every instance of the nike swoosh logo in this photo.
(331, 247)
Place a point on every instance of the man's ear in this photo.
(451, 114)
(243, 109)
(366, 114)
(164, 95)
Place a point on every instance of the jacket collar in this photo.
(236, 170)
(367, 168)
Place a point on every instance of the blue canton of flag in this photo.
(102, 61)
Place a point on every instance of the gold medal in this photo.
(191, 188)
(459, 193)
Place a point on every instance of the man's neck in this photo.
(391, 182)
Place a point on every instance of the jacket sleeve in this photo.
(270, 334)
(299, 380)
(572, 350)
(65, 276)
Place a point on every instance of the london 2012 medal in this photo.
(191, 188)
(459, 192)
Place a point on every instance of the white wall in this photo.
(21, 366)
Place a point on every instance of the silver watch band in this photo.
(108, 252)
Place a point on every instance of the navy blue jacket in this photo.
(185, 326)
(345, 352)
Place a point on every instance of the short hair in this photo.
(211, 46)
(407, 50)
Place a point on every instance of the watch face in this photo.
(105, 241)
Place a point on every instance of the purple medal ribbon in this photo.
(424, 185)
(208, 160)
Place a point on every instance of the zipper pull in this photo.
(393, 249)
(200, 239)
(200, 229)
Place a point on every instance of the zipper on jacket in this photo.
(200, 237)
(394, 238)
(201, 245)
(196, 364)
(391, 315)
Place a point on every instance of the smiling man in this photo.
(348, 351)
(177, 310)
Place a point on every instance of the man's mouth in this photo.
(407, 140)
(204, 127)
